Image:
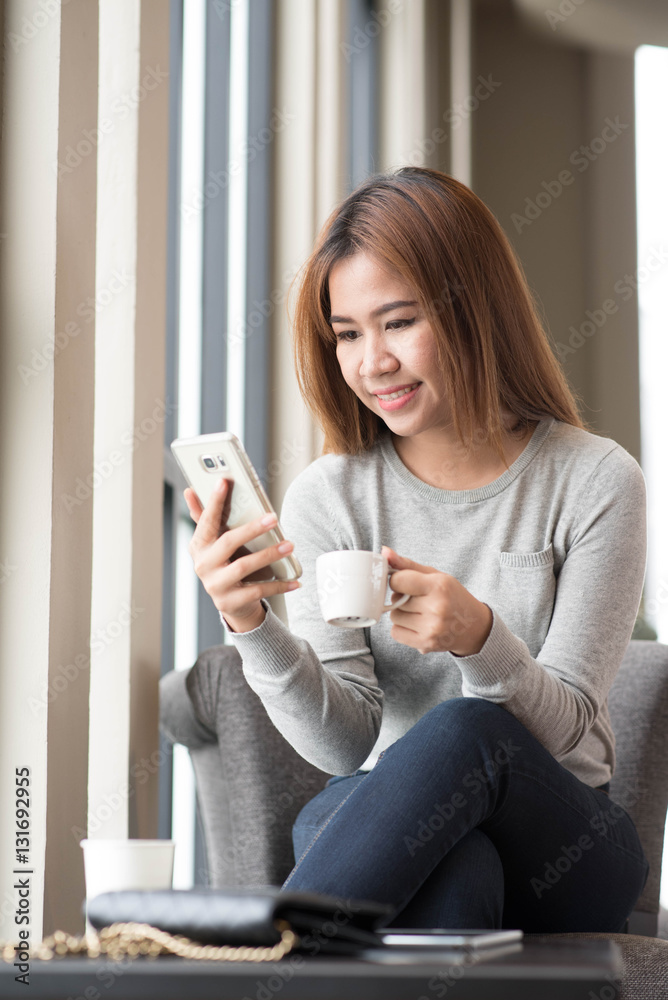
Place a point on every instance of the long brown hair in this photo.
(440, 237)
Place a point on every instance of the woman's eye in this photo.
(349, 336)
(399, 324)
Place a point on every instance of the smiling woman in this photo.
(467, 731)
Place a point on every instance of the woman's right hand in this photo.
(221, 566)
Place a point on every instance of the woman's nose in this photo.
(377, 359)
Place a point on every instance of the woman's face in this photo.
(386, 347)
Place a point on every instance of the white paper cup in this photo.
(113, 865)
(352, 587)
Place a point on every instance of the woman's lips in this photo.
(401, 401)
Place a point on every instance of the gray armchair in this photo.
(251, 783)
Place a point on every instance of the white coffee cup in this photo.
(113, 865)
(352, 587)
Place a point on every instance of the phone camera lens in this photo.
(209, 462)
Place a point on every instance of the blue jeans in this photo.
(468, 822)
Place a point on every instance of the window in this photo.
(218, 336)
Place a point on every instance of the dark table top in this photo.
(548, 970)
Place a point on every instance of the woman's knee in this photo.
(457, 726)
(470, 717)
(314, 816)
(317, 810)
(476, 853)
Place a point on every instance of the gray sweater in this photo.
(556, 546)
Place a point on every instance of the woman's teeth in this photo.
(401, 392)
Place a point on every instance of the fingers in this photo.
(406, 636)
(209, 519)
(235, 538)
(243, 567)
(194, 506)
(396, 561)
(410, 581)
(244, 596)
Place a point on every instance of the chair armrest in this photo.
(638, 703)
(178, 722)
(251, 784)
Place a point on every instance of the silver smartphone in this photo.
(428, 938)
(204, 460)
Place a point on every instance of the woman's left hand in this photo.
(441, 615)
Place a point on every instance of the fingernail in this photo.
(220, 484)
(285, 547)
(294, 584)
(268, 519)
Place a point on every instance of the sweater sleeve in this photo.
(557, 695)
(328, 704)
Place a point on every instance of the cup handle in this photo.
(397, 604)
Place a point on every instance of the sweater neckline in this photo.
(497, 486)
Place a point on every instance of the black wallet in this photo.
(247, 917)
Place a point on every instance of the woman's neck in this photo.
(439, 458)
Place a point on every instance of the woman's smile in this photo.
(395, 399)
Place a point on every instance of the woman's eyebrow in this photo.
(377, 312)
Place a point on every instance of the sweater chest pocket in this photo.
(527, 588)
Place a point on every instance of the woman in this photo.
(468, 731)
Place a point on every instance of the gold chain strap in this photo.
(132, 939)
